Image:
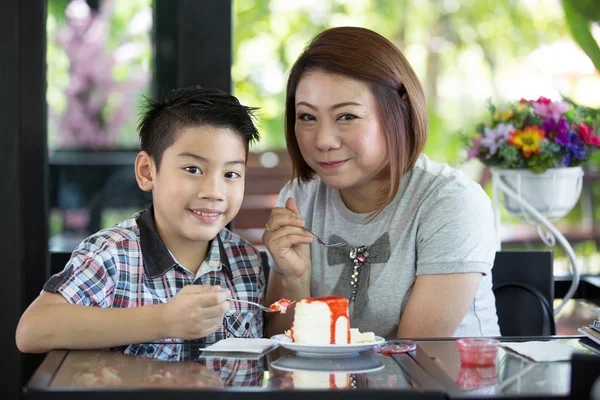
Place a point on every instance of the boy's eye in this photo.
(193, 170)
(232, 175)
(306, 117)
(347, 117)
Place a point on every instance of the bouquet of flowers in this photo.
(535, 135)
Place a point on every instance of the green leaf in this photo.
(579, 25)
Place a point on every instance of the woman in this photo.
(419, 235)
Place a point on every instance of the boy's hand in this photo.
(287, 242)
(195, 311)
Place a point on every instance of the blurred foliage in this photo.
(580, 14)
(129, 47)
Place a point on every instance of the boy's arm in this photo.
(51, 322)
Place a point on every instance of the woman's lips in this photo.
(332, 164)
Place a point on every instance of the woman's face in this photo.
(338, 130)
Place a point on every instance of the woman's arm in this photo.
(289, 245)
(438, 304)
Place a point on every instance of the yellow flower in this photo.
(521, 107)
(527, 140)
(496, 116)
(506, 114)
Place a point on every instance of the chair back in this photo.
(120, 191)
(523, 284)
(265, 263)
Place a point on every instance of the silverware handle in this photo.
(251, 303)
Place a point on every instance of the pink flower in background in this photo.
(546, 108)
(586, 134)
(474, 151)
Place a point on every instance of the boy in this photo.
(168, 271)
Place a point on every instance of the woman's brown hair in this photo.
(364, 55)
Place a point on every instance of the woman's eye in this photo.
(232, 175)
(193, 170)
(347, 117)
(306, 117)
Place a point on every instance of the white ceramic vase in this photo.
(553, 193)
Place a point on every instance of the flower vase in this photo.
(553, 193)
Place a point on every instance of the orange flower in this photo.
(527, 140)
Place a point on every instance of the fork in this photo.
(322, 243)
(266, 309)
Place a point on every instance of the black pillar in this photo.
(193, 44)
(23, 228)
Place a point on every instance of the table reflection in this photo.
(511, 374)
(364, 370)
(162, 365)
(435, 366)
(521, 375)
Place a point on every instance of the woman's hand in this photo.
(287, 241)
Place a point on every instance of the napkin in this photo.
(541, 351)
(241, 345)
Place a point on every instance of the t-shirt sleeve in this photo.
(456, 231)
(89, 276)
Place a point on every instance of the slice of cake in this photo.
(281, 305)
(321, 320)
(357, 336)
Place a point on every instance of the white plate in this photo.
(325, 350)
(359, 364)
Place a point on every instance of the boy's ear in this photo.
(145, 171)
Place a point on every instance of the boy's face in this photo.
(200, 184)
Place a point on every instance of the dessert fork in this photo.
(265, 309)
(322, 243)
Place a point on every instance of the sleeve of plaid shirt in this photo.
(89, 276)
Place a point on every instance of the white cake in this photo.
(321, 320)
(357, 337)
(320, 380)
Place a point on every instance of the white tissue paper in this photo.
(241, 345)
(541, 351)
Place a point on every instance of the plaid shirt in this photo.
(128, 265)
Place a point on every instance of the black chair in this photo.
(523, 283)
(120, 191)
(265, 262)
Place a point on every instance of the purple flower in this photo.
(493, 138)
(574, 147)
(551, 125)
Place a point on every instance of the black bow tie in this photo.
(354, 280)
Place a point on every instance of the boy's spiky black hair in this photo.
(161, 121)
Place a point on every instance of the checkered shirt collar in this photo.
(158, 259)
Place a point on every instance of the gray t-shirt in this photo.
(440, 222)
